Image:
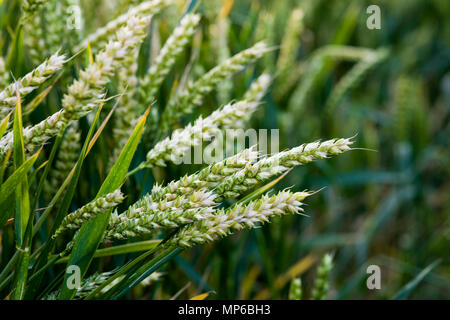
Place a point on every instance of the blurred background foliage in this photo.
(386, 203)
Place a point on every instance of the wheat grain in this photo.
(223, 222)
(147, 215)
(87, 286)
(102, 35)
(75, 220)
(270, 167)
(321, 283)
(65, 160)
(295, 290)
(172, 149)
(126, 114)
(31, 6)
(173, 47)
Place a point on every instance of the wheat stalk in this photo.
(30, 82)
(4, 74)
(173, 148)
(31, 6)
(270, 167)
(126, 113)
(148, 216)
(75, 220)
(223, 222)
(102, 35)
(173, 47)
(193, 95)
(321, 283)
(65, 160)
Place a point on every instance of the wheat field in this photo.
(224, 149)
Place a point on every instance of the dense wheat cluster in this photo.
(109, 111)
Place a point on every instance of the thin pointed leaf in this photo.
(406, 290)
(4, 125)
(8, 187)
(22, 201)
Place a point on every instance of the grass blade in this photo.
(406, 290)
(22, 201)
(8, 187)
(4, 125)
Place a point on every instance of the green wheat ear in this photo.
(321, 283)
(295, 289)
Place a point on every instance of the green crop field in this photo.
(220, 149)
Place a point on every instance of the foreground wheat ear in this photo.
(85, 201)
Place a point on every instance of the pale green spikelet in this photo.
(298, 98)
(62, 21)
(180, 199)
(258, 88)
(315, 67)
(295, 290)
(4, 74)
(29, 83)
(147, 216)
(75, 220)
(270, 167)
(205, 178)
(31, 6)
(409, 112)
(34, 38)
(193, 95)
(265, 30)
(172, 149)
(101, 36)
(354, 76)
(36, 135)
(290, 43)
(55, 25)
(84, 93)
(401, 110)
(66, 159)
(87, 286)
(223, 222)
(321, 283)
(35, 33)
(219, 41)
(126, 115)
(75, 23)
(173, 47)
